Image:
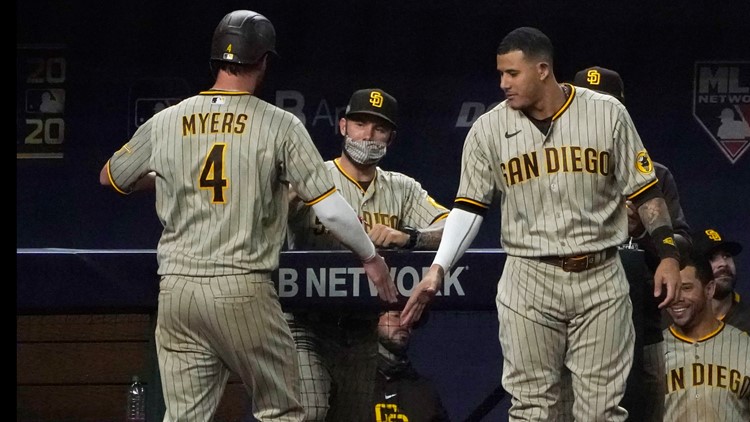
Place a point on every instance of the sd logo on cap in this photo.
(373, 101)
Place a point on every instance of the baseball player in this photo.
(645, 388)
(401, 393)
(222, 162)
(338, 349)
(707, 361)
(564, 160)
(726, 302)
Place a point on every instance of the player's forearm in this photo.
(654, 214)
(657, 221)
(104, 175)
(461, 227)
(340, 219)
(429, 237)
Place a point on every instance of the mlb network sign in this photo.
(721, 104)
(308, 279)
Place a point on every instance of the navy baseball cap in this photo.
(602, 80)
(373, 101)
(708, 241)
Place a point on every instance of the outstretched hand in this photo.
(377, 271)
(667, 275)
(422, 295)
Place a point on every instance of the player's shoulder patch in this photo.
(643, 162)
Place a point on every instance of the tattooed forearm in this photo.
(429, 238)
(654, 213)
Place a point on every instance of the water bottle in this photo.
(136, 409)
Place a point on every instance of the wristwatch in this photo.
(413, 237)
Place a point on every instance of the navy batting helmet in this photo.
(243, 37)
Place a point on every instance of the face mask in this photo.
(364, 152)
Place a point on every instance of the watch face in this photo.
(413, 237)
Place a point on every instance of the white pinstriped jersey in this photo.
(563, 192)
(392, 199)
(224, 161)
(708, 380)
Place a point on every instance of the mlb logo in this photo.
(46, 101)
(149, 96)
(147, 107)
(721, 105)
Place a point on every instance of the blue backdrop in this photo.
(111, 64)
(123, 59)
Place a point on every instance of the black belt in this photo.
(579, 263)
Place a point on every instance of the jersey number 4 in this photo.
(212, 174)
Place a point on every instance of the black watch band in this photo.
(413, 237)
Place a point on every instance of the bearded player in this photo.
(726, 302)
(707, 361)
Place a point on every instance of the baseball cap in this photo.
(708, 241)
(373, 101)
(602, 80)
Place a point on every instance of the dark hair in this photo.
(234, 68)
(531, 41)
(703, 270)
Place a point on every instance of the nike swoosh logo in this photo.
(390, 396)
(510, 135)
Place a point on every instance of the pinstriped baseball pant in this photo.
(337, 368)
(209, 326)
(653, 381)
(550, 318)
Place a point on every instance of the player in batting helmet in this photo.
(242, 37)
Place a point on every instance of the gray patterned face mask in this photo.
(364, 152)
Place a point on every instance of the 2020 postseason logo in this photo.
(40, 104)
(721, 104)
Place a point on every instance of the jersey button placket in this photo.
(697, 356)
(553, 187)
